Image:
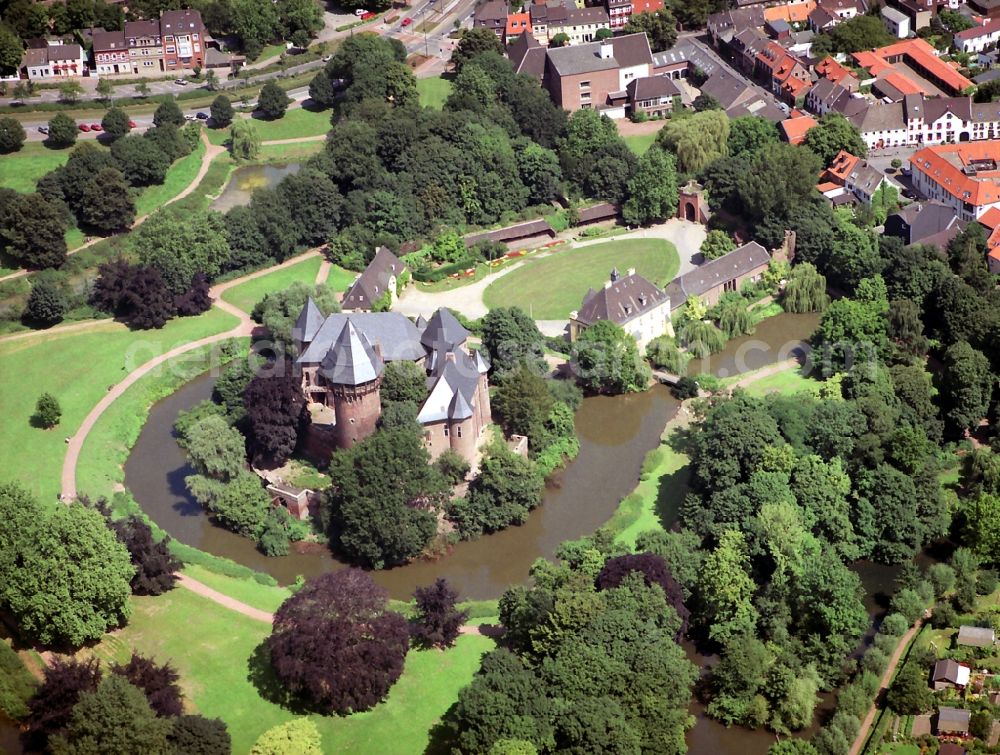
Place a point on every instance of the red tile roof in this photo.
(646, 6)
(518, 23)
(840, 167)
(795, 129)
(991, 218)
(830, 69)
(917, 52)
(790, 12)
(944, 166)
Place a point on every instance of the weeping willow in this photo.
(735, 319)
(805, 291)
(702, 338)
(664, 353)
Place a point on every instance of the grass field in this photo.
(551, 287)
(787, 381)
(21, 170)
(639, 143)
(212, 649)
(433, 91)
(286, 153)
(76, 367)
(246, 295)
(296, 123)
(180, 175)
(253, 593)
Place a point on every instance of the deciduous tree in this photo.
(157, 682)
(222, 111)
(652, 191)
(48, 300)
(272, 102)
(607, 360)
(660, 26)
(11, 132)
(107, 203)
(299, 735)
(115, 122)
(47, 411)
(437, 622)
(166, 112)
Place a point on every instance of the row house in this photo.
(854, 175)
(543, 15)
(920, 120)
(830, 69)
(988, 8)
(54, 61)
(979, 38)
(491, 15)
(517, 24)
(619, 12)
(786, 76)
(897, 23)
(963, 176)
(175, 41)
(744, 49)
(581, 25)
(829, 13)
(725, 25)
(110, 52)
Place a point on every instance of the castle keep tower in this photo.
(353, 370)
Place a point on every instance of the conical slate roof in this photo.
(482, 363)
(459, 408)
(443, 330)
(421, 323)
(351, 360)
(309, 322)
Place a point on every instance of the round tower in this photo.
(353, 369)
(358, 408)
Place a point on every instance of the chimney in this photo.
(615, 275)
(607, 51)
(631, 271)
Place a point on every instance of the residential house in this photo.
(184, 38)
(896, 22)
(744, 49)
(527, 55)
(377, 285)
(641, 309)
(491, 15)
(792, 13)
(826, 95)
(110, 52)
(966, 178)
(988, 8)
(854, 176)
(979, 38)
(145, 46)
(646, 6)
(54, 61)
(978, 637)
(796, 126)
(919, 56)
(778, 30)
(580, 24)
(921, 120)
(542, 15)
(619, 12)
(713, 278)
(517, 24)
(925, 223)
(596, 75)
(342, 360)
(920, 12)
(739, 98)
(725, 25)
(783, 73)
(990, 220)
(949, 674)
(653, 95)
(953, 721)
(829, 69)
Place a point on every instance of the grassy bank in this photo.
(213, 649)
(639, 143)
(21, 170)
(77, 367)
(179, 177)
(574, 271)
(433, 91)
(246, 295)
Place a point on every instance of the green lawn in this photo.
(249, 591)
(76, 367)
(21, 170)
(288, 153)
(212, 647)
(551, 287)
(246, 295)
(295, 124)
(179, 177)
(433, 91)
(639, 143)
(787, 381)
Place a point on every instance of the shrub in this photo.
(685, 388)
(48, 300)
(453, 466)
(663, 353)
(47, 411)
(894, 625)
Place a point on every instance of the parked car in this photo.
(327, 58)
(43, 129)
(201, 116)
(367, 15)
(189, 118)
(181, 82)
(407, 22)
(96, 127)
(83, 127)
(132, 124)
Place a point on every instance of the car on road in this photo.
(407, 22)
(181, 82)
(84, 127)
(190, 118)
(96, 127)
(327, 58)
(367, 15)
(201, 116)
(132, 124)
(43, 129)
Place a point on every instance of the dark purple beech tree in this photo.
(438, 622)
(158, 683)
(276, 410)
(155, 566)
(654, 571)
(51, 707)
(195, 300)
(335, 645)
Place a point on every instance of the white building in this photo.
(896, 22)
(964, 177)
(978, 38)
(54, 61)
(917, 120)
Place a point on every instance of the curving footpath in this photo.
(211, 152)
(243, 329)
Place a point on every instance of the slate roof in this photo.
(538, 227)
(924, 223)
(621, 301)
(685, 52)
(707, 276)
(443, 329)
(627, 51)
(953, 719)
(597, 212)
(880, 117)
(142, 29)
(180, 22)
(527, 55)
(352, 359)
(457, 377)
(726, 89)
(107, 40)
(491, 11)
(652, 88)
(584, 16)
(396, 336)
(309, 322)
(951, 671)
(374, 281)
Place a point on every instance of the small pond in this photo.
(249, 178)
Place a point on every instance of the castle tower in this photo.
(462, 434)
(483, 391)
(353, 369)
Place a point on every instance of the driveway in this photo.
(468, 300)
